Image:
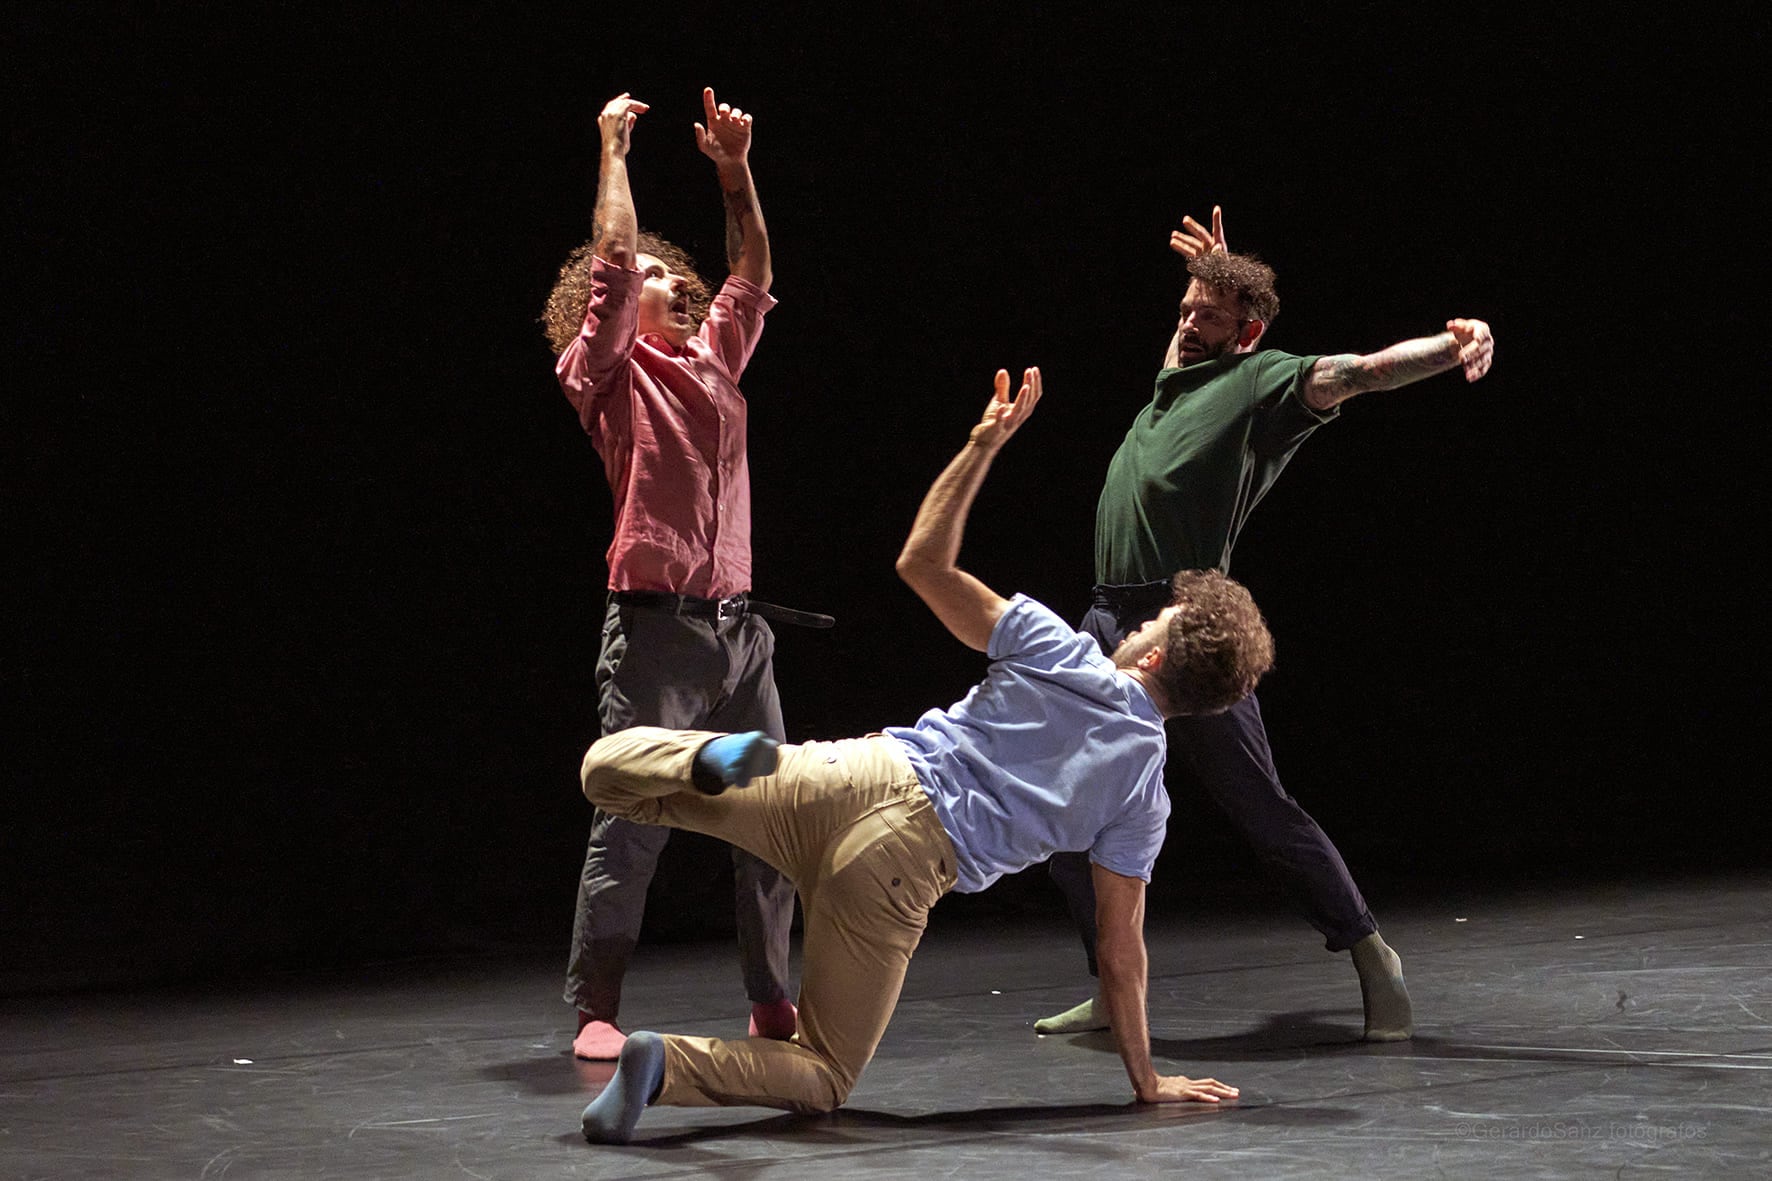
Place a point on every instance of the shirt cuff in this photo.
(609, 273)
(1320, 416)
(744, 292)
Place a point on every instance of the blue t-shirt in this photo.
(1055, 751)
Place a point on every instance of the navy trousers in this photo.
(1229, 756)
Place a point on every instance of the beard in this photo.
(1135, 646)
(1207, 352)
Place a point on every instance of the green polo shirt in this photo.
(1197, 461)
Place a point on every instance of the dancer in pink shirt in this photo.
(651, 364)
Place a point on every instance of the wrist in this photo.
(734, 175)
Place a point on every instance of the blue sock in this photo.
(639, 1072)
(736, 759)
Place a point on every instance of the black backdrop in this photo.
(306, 549)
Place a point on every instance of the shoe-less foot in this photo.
(1389, 1015)
(1088, 1016)
(778, 1020)
(735, 759)
(639, 1073)
(598, 1041)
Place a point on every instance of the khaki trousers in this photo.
(850, 825)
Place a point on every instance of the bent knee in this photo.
(835, 1094)
(595, 777)
(602, 785)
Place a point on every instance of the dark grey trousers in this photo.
(1228, 754)
(685, 673)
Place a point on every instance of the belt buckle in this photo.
(727, 608)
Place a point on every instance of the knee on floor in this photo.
(828, 1102)
(832, 1095)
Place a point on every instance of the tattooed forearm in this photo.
(738, 212)
(747, 238)
(1338, 378)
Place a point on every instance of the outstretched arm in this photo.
(1191, 241)
(1120, 953)
(1465, 343)
(966, 606)
(614, 231)
(726, 140)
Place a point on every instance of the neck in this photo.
(667, 338)
(1151, 689)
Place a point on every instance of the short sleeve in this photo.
(1029, 632)
(1129, 846)
(1283, 420)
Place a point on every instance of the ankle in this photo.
(1372, 952)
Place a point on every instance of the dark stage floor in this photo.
(1617, 1031)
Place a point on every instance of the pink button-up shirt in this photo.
(670, 426)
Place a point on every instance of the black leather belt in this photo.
(720, 610)
(1134, 597)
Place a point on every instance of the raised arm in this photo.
(1465, 343)
(726, 140)
(1191, 241)
(966, 606)
(1120, 953)
(615, 232)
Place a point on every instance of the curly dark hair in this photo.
(1241, 275)
(564, 313)
(1217, 646)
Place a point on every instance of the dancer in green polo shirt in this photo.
(1223, 422)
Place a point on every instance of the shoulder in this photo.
(1272, 373)
(1027, 622)
(1031, 633)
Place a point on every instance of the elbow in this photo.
(912, 566)
(922, 572)
(616, 254)
(755, 271)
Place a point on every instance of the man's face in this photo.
(664, 301)
(1142, 639)
(1210, 324)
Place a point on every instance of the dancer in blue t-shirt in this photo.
(1059, 749)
